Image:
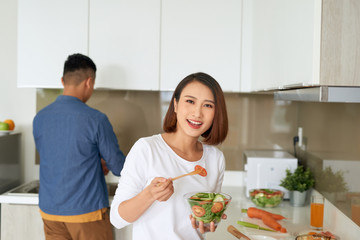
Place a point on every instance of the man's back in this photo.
(70, 137)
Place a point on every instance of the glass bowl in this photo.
(265, 197)
(207, 206)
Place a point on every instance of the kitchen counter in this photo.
(298, 218)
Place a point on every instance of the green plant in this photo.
(300, 180)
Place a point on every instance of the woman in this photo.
(155, 205)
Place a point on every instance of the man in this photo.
(74, 141)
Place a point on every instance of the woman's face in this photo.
(195, 109)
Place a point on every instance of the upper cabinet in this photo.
(201, 36)
(124, 42)
(290, 43)
(136, 44)
(48, 31)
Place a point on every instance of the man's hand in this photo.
(104, 167)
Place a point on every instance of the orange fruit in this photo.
(10, 123)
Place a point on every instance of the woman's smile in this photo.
(194, 124)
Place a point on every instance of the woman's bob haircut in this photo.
(217, 133)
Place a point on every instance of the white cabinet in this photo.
(201, 36)
(124, 42)
(49, 31)
(291, 43)
(23, 221)
(136, 44)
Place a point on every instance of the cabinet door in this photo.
(281, 43)
(201, 36)
(124, 42)
(49, 31)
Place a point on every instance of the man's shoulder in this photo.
(79, 109)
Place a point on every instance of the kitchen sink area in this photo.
(29, 188)
(19, 207)
(32, 189)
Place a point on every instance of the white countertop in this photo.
(298, 218)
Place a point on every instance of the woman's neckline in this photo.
(182, 154)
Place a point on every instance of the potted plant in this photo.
(298, 183)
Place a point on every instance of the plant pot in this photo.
(298, 199)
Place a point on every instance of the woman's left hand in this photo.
(201, 226)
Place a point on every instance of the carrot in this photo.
(269, 221)
(268, 218)
(253, 212)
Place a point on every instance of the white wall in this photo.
(18, 104)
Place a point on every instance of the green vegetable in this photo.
(207, 201)
(252, 225)
(266, 197)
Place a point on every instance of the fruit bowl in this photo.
(266, 197)
(5, 132)
(207, 206)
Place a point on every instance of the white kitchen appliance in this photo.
(266, 168)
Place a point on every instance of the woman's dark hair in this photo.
(218, 131)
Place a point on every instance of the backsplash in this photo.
(332, 152)
(256, 121)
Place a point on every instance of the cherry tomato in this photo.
(194, 197)
(202, 171)
(198, 211)
(205, 201)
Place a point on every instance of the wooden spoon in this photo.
(231, 229)
(198, 170)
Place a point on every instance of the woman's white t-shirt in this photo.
(151, 157)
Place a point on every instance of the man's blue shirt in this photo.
(71, 139)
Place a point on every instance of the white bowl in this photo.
(261, 237)
(5, 132)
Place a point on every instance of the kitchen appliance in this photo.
(266, 169)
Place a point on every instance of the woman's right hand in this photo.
(161, 189)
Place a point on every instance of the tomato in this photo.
(198, 211)
(217, 207)
(201, 170)
(205, 201)
(194, 197)
(253, 193)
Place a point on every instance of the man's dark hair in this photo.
(77, 68)
(78, 61)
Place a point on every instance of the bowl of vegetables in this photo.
(266, 198)
(207, 206)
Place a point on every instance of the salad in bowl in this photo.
(207, 206)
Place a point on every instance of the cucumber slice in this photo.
(219, 198)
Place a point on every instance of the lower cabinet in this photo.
(24, 222)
